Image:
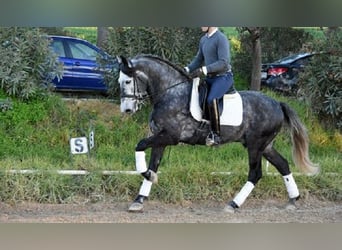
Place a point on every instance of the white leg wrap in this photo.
(291, 186)
(145, 188)
(140, 162)
(243, 194)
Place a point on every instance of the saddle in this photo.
(203, 90)
(230, 105)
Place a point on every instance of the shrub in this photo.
(178, 45)
(321, 83)
(27, 63)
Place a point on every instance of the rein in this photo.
(151, 95)
(163, 93)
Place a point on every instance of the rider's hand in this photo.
(198, 72)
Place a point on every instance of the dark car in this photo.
(283, 74)
(82, 70)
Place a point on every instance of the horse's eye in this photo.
(128, 81)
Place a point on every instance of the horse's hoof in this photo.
(291, 205)
(229, 209)
(153, 177)
(136, 207)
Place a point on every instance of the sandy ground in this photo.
(253, 211)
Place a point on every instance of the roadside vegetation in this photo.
(35, 134)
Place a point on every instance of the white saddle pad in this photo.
(232, 107)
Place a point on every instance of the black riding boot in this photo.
(214, 136)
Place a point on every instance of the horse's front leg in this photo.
(150, 174)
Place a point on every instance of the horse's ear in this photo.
(120, 59)
(123, 60)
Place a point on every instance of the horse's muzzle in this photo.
(128, 105)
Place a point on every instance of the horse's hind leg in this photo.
(281, 164)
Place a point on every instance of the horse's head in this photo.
(132, 90)
(149, 76)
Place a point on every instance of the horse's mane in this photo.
(172, 65)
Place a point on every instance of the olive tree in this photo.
(27, 64)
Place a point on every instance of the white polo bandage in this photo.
(243, 194)
(140, 162)
(291, 186)
(145, 188)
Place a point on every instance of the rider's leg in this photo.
(214, 136)
(218, 87)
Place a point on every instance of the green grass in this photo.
(230, 31)
(186, 171)
(87, 33)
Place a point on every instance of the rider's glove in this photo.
(199, 72)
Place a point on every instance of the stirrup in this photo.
(212, 139)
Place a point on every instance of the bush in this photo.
(321, 83)
(25, 124)
(178, 45)
(27, 63)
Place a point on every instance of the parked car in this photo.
(82, 69)
(283, 74)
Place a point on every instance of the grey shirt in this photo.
(214, 53)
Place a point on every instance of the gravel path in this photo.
(253, 211)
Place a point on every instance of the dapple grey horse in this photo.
(169, 89)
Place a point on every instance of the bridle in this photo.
(142, 97)
(136, 91)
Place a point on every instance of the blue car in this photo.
(82, 69)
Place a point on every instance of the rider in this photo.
(213, 61)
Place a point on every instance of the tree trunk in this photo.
(256, 58)
(102, 36)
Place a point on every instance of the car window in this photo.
(58, 48)
(82, 51)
